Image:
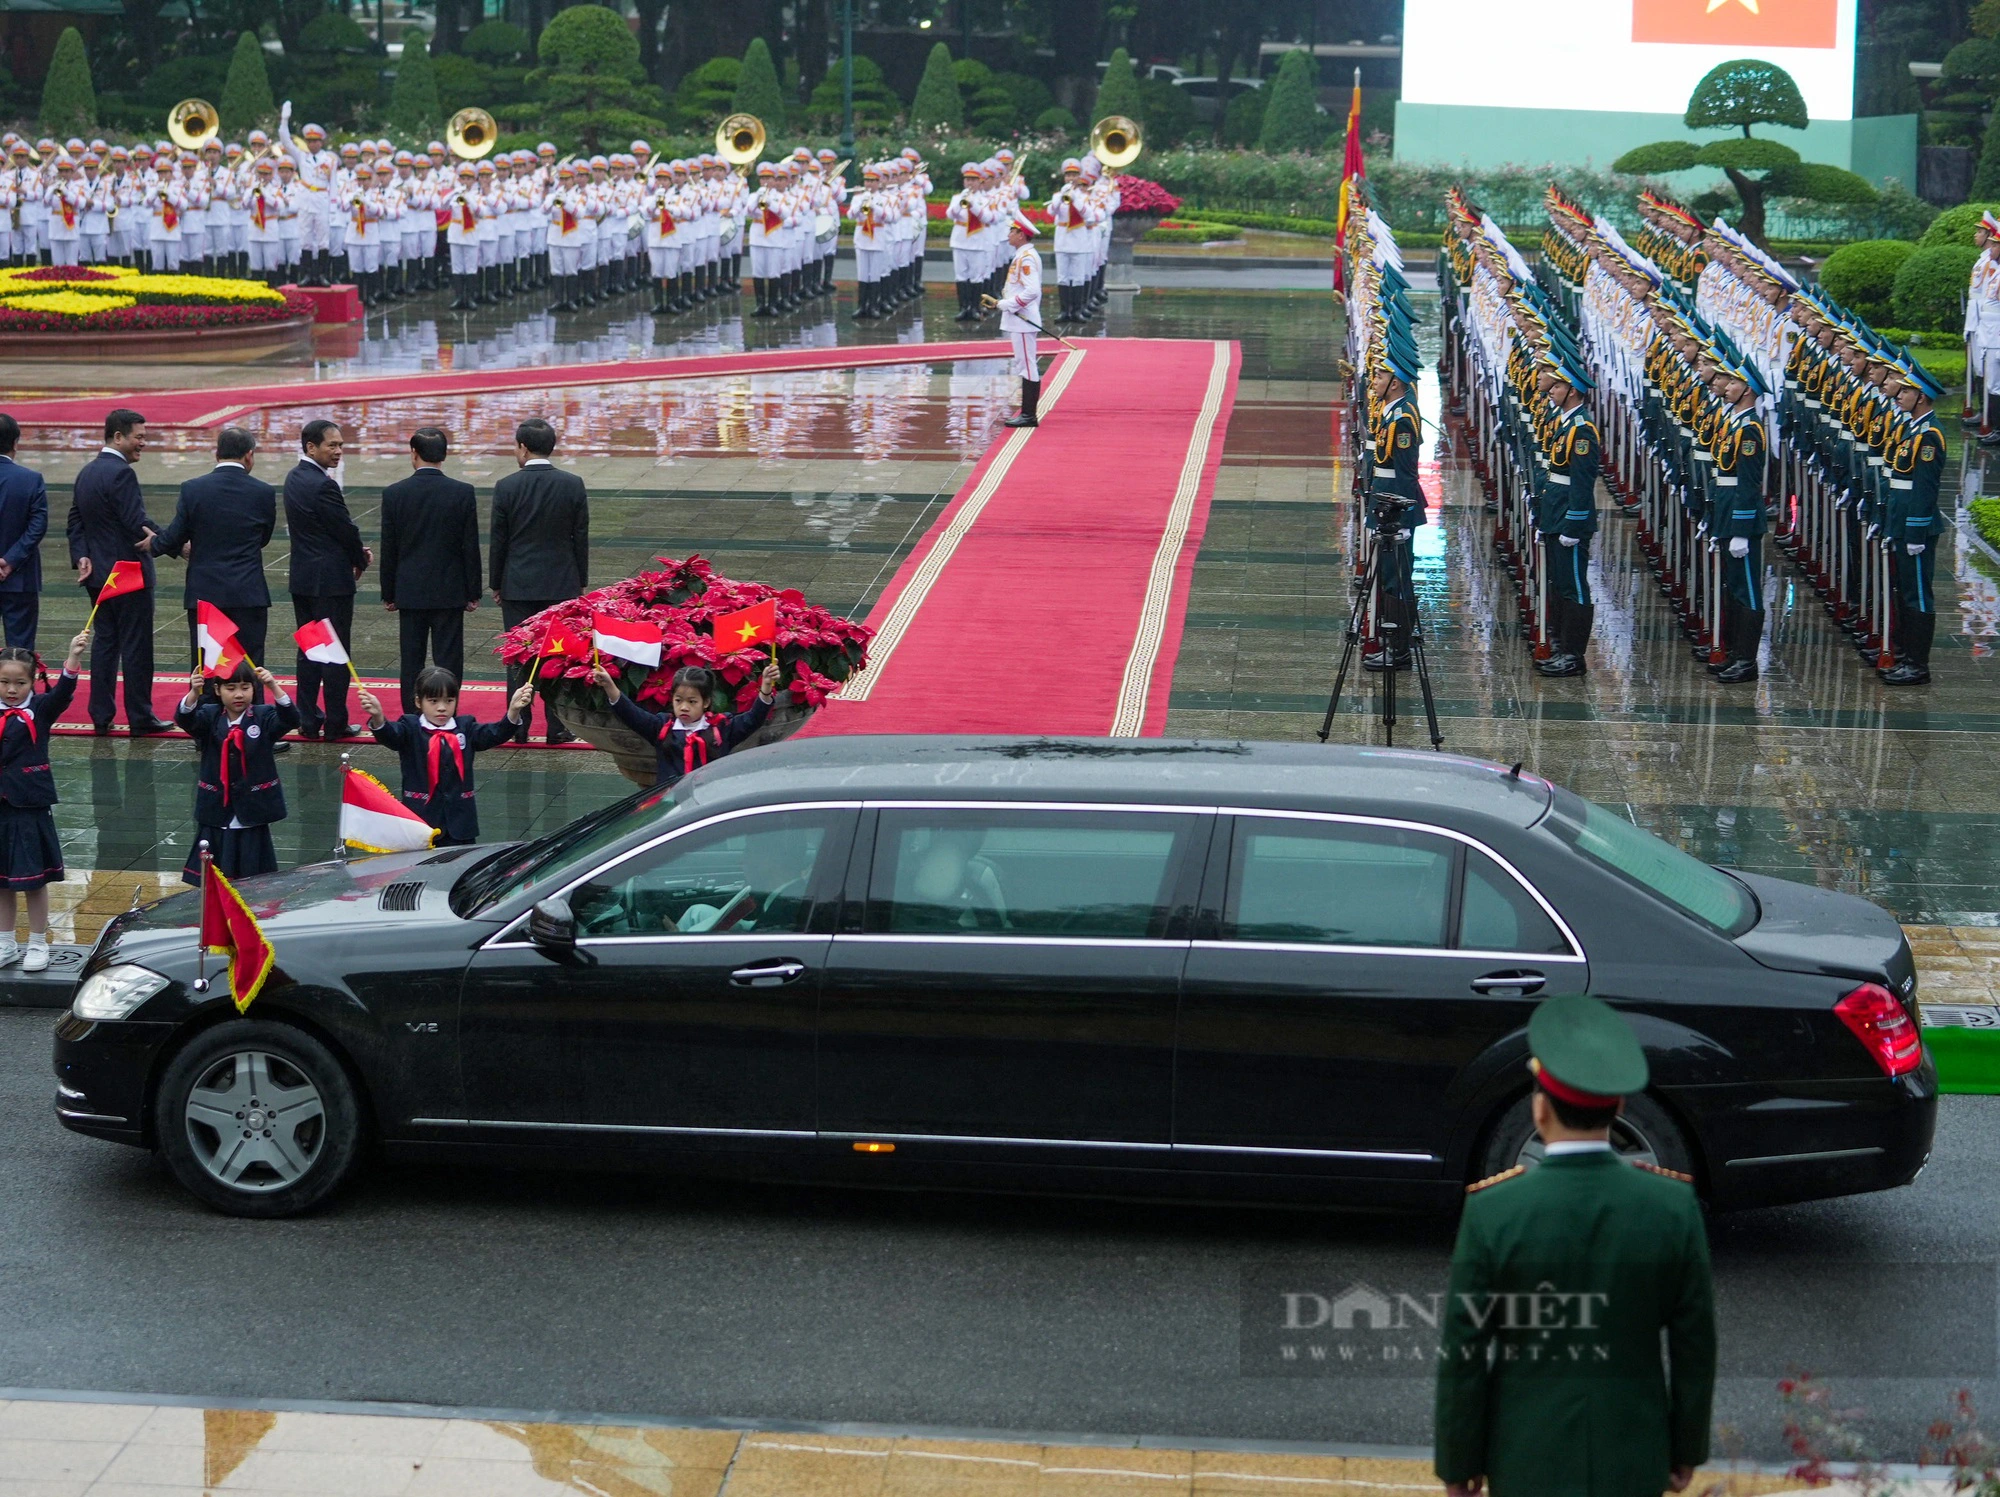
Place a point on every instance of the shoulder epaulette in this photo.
(1655, 1169)
(1519, 1169)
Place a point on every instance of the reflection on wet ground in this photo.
(825, 481)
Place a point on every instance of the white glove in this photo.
(1739, 547)
(285, 114)
(1569, 540)
(1914, 549)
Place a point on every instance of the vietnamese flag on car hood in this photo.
(373, 820)
(227, 924)
(755, 625)
(628, 639)
(321, 641)
(124, 577)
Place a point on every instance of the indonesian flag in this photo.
(564, 642)
(227, 925)
(755, 625)
(628, 639)
(124, 577)
(216, 636)
(321, 641)
(373, 820)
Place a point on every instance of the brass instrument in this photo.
(472, 134)
(739, 140)
(1116, 141)
(192, 124)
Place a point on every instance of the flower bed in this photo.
(113, 298)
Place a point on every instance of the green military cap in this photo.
(1583, 1052)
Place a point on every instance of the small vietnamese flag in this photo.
(755, 625)
(373, 820)
(628, 639)
(563, 641)
(228, 925)
(215, 634)
(321, 642)
(124, 577)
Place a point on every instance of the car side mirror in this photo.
(552, 927)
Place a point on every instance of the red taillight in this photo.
(1880, 1023)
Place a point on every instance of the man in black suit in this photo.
(221, 526)
(108, 524)
(327, 561)
(24, 520)
(430, 560)
(541, 543)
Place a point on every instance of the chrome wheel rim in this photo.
(1628, 1142)
(255, 1122)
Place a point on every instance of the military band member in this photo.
(1551, 1381)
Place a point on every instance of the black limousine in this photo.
(1171, 969)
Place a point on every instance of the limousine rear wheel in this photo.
(258, 1119)
(1643, 1132)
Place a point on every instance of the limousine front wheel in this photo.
(1643, 1132)
(258, 1119)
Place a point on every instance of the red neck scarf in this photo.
(694, 747)
(27, 716)
(441, 739)
(234, 739)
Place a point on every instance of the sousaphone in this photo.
(739, 140)
(192, 124)
(1116, 141)
(471, 135)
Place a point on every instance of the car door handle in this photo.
(1524, 983)
(768, 974)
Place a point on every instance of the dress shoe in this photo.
(147, 727)
(1906, 675)
(102, 730)
(282, 746)
(1737, 670)
(561, 735)
(1560, 665)
(346, 732)
(311, 734)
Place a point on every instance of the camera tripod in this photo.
(1389, 543)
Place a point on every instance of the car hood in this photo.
(356, 894)
(1806, 929)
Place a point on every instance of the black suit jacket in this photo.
(541, 535)
(326, 544)
(228, 515)
(430, 542)
(24, 520)
(107, 518)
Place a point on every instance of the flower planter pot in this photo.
(599, 727)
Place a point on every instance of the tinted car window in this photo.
(1497, 914)
(507, 872)
(1687, 883)
(1025, 873)
(1337, 884)
(748, 875)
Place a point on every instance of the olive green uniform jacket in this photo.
(1550, 1379)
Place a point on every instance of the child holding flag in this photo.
(690, 735)
(237, 794)
(30, 853)
(437, 747)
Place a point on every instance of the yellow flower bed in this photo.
(125, 281)
(65, 303)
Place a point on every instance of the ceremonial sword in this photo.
(994, 301)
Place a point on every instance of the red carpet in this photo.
(212, 407)
(1049, 597)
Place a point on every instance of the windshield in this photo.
(1690, 885)
(510, 870)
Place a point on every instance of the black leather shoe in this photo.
(342, 734)
(102, 730)
(149, 726)
(1906, 675)
(282, 746)
(312, 734)
(561, 736)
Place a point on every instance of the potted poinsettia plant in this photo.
(816, 650)
(1141, 207)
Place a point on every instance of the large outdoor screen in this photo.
(1627, 56)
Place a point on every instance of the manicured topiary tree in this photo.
(1986, 180)
(937, 105)
(1930, 287)
(413, 105)
(1243, 118)
(590, 80)
(1862, 276)
(246, 92)
(1955, 225)
(1056, 120)
(1119, 92)
(1291, 113)
(69, 103)
(757, 89)
(1734, 96)
(875, 103)
(707, 93)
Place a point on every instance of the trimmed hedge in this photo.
(1955, 225)
(1277, 223)
(1986, 520)
(1929, 290)
(1862, 276)
(1193, 232)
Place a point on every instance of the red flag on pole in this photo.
(755, 625)
(1352, 165)
(124, 577)
(227, 925)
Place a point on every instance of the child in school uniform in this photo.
(237, 794)
(30, 853)
(689, 735)
(437, 746)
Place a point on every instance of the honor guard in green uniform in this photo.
(1738, 520)
(1550, 1379)
(1567, 515)
(1395, 500)
(1912, 524)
